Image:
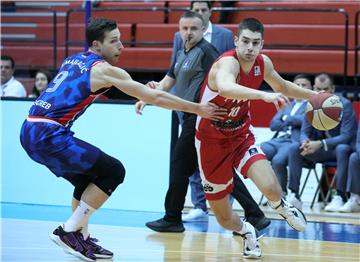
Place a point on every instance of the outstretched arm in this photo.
(104, 75)
(278, 84)
(226, 71)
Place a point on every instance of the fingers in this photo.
(152, 84)
(139, 106)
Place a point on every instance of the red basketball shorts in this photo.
(218, 158)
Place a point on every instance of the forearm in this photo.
(234, 91)
(294, 91)
(166, 100)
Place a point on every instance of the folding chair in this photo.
(311, 166)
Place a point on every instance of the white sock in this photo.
(243, 230)
(274, 204)
(85, 230)
(79, 218)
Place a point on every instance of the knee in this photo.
(117, 171)
(294, 148)
(342, 150)
(354, 159)
(108, 173)
(278, 162)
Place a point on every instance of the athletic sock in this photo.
(275, 204)
(79, 218)
(243, 230)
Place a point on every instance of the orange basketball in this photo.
(324, 111)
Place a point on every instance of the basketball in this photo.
(324, 111)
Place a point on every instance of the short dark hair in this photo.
(9, 58)
(323, 76)
(207, 2)
(252, 24)
(96, 29)
(303, 76)
(191, 14)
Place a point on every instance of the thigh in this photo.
(246, 153)
(215, 164)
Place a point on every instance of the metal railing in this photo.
(343, 47)
(52, 40)
(356, 51)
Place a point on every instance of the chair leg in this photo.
(306, 179)
(330, 187)
(318, 188)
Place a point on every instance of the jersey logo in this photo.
(257, 71)
(253, 151)
(208, 188)
(186, 64)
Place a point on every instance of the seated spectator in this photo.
(42, 78)
(353, 183)
(287, 123)
(319, 146)
(9, 85)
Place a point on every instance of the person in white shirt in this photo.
(9, 85)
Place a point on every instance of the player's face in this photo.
(191, 31)
(304, 83)
(111, 47)
(6, 71)
(325, 86)
(203, 10)
(41, 81)
(248, 45)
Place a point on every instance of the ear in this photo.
(236, 39)
(96, 45)
(262, 44)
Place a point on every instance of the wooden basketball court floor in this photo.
(25, 233)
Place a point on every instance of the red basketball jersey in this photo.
(237, 121)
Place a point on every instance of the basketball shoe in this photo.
(98, 250)
(73, 243)
(251, 244)
(294, 217)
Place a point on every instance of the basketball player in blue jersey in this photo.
(47, 137)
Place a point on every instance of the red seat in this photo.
(174, 16)
(44, 31)
(146, 59)
(152, 33)
(309, 18)
(304, 34)
(158, 59)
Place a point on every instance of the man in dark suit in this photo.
(353, 183)
(287, 124)
(223, 40)
(320, 146)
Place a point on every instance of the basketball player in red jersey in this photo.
(228, 144)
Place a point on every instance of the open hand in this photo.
(211, 111)
(278, 99)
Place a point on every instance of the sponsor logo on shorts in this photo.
(253, 151)
(208, 188)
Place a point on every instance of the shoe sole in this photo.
(195, 221)
(103, 256)
(67, 249)
(163, 230)
(252, 256)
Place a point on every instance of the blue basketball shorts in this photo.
(56, 147)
